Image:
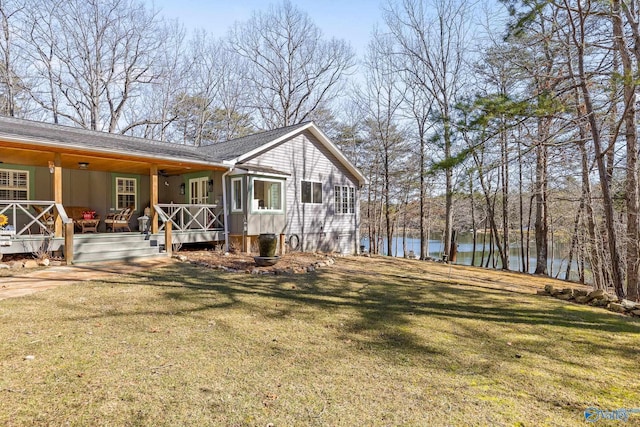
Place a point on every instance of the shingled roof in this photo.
(235, 148)
(70, 137)
(223, 154)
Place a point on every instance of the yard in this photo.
(367, 341)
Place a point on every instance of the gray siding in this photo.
(317, 225)
(91, 189)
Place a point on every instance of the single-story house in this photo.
(69, 189)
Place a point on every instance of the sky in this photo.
(351, 20)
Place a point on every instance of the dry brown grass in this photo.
(365, 342)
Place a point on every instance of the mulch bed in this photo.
(292, 263)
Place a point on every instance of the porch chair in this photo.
(46, 218)
(119, 220)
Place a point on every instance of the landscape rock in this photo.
(600, 302)
(580, 292)
(549, 289)
(635, 312)
(617, 307)
(4, 266)
(567, 291)
(15, 265)
(597, 294)
(44, 262)
(629, 305)
(311, 269)
(564, 297)
(582, 299)
(542, 292)
(31, 263)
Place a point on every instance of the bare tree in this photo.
(630, 73)
(578, 24)
(382, 96)
(11, 82)
(153, 111)
(432, 36)
(291, 70)
(95, 55)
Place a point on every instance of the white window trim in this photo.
(350, 192)
(282, 195)
(10, 188)
(312, 202)
(234, 208)
(135, 191)
(202, 183)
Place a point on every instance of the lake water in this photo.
(465, 252)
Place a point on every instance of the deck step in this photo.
(114, 246)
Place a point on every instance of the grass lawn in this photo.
(371, 342)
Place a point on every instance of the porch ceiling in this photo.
(30, 156)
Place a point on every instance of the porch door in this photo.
(199, 195)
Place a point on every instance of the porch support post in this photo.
(247, 244)
(168, 239)
(282, 244)
(153, 192)
(57, 191)
(68, 243)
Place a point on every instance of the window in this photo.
(126, 192)
(345, 199)
(199, 191)
(236, 194)
(267, 195)
(311, 192)
(14, 185)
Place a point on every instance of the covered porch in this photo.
(47, 187)
(32, 231)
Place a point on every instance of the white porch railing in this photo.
(185, 217)
(22, 218)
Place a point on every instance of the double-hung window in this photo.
(311, 192)
(14, 184)
(126, 192)
(344, 199)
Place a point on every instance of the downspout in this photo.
(224, 208)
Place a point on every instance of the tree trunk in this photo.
(473, 221)
(541, 223)
(387, 199)
(504, 169)
(631, 184)
(523, 249)
(448, 226)
(574, 239)
(607, 200)
(424, 243)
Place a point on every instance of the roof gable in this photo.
(233, 149)
(240, 149)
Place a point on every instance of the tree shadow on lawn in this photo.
(387, 304)
(385, 297)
